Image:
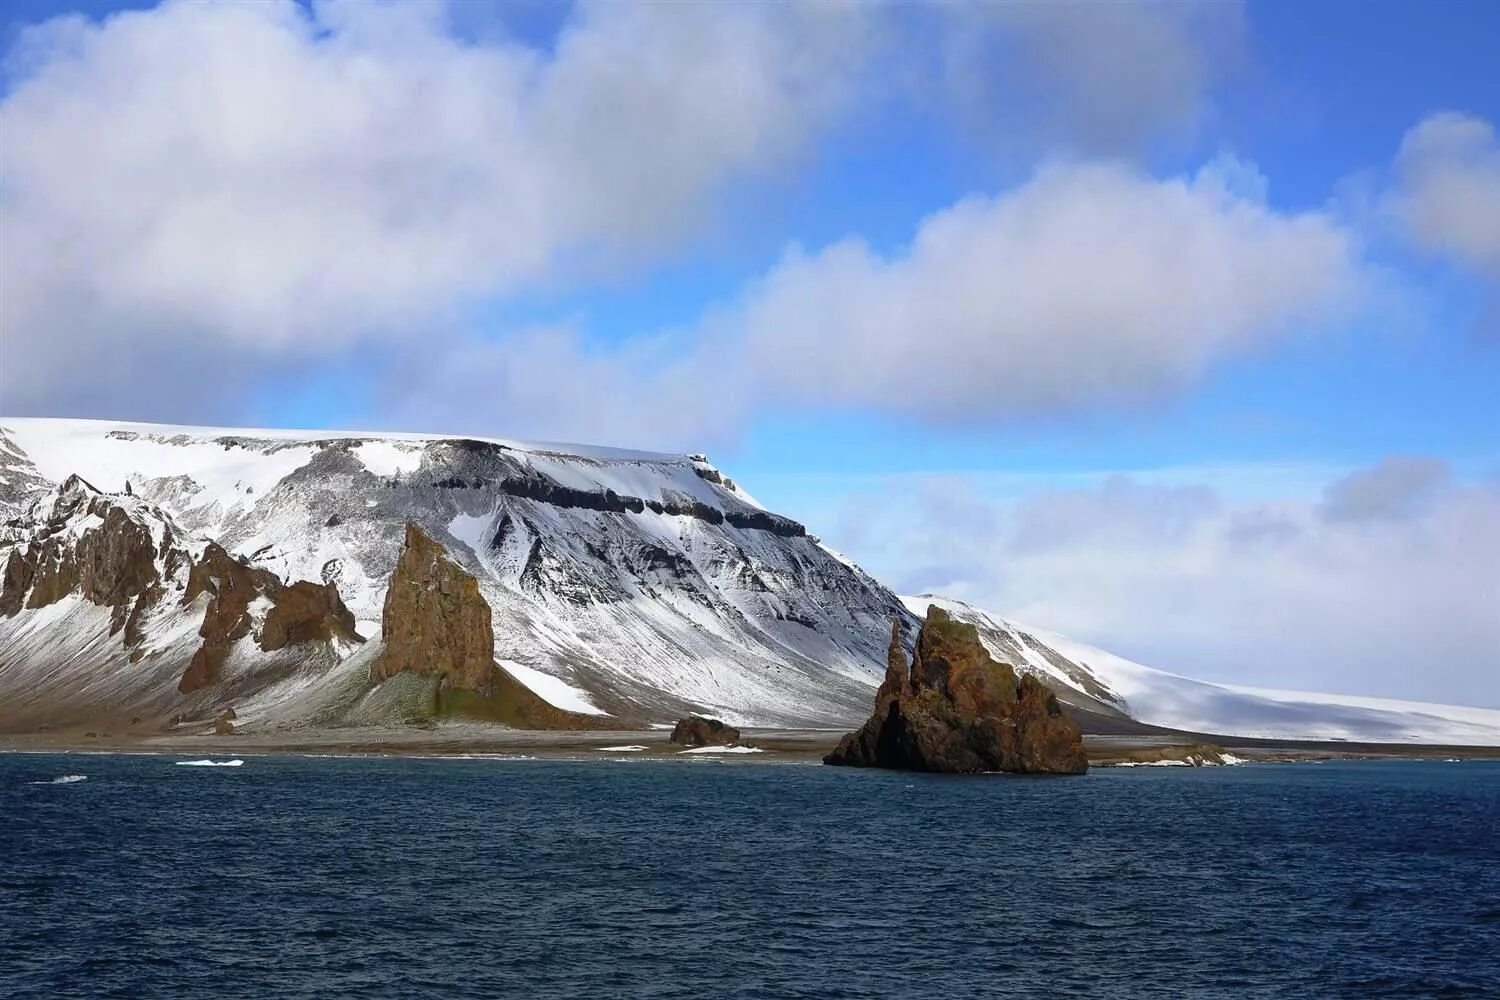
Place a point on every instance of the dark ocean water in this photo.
(322, 877)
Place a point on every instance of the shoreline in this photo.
(475, 741)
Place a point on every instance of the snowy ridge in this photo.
(1168, 700)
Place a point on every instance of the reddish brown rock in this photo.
(435, 621)
(307, 612)
(300, 612)
(696, 731)
(89, 543)
(957, 710)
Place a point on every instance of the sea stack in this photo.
(955, 709)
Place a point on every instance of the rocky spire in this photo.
(435, 620)
(958, 710)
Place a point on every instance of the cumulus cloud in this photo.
(202, 186)
(1448, 189)
(1359, 590)
(1090, 285)
(1089, 77)
(214, 197)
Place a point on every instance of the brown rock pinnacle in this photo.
(958, 710)
(435, 621)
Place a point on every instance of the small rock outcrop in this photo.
(956, 710)
(435, 621)
(696, 731)
(224, 724)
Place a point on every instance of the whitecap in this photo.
(66, 779)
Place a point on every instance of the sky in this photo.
(1172, 327)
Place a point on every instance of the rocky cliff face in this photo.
(114, 551)
(435, 620)
(957, 710)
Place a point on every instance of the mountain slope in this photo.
(1096, 680)
(650, 584)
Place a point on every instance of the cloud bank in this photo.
(231, 182)
(1388, 583)
(213, 198)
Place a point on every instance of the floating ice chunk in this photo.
(208, 763)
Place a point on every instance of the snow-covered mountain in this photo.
(641, 584)
(1099, 681)
(152, 572)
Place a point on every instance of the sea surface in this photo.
(408, 878)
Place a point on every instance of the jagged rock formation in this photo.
(114, 575)
(112, 551)
(696, 731)
(435, 620)
(956, 710)
(301, 612)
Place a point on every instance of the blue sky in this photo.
(628, 224)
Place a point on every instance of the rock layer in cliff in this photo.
(955, 709)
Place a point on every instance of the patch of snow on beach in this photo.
(553, 690)
(722, 750)
(629, 749)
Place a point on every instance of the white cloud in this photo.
(1091, 285)
(206, 186)
(1448, 189)
(1358, 590)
